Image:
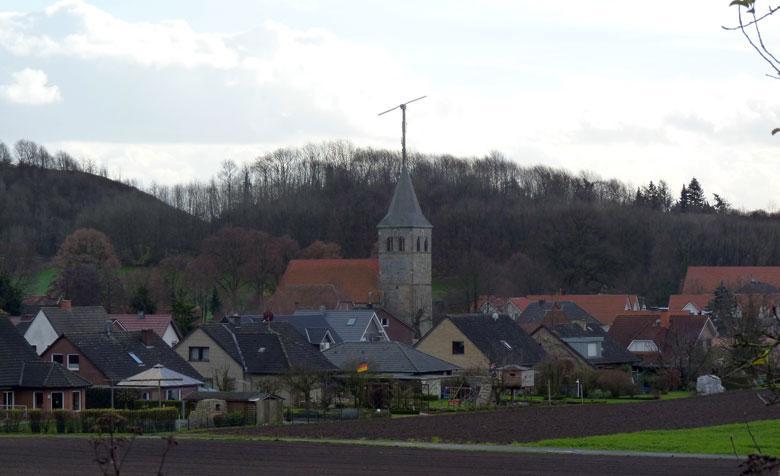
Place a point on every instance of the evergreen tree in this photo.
(10, 297)
(142, 301)
(683, 203)
(696, 198)
(215, 303)
(723, 309)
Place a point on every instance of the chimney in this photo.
(147, 337)
(141, 314)
(107, 326)
(65, 304)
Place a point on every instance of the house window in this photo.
(173, 394)
(208, 382)
(642, 346)
(506, 345)
(57, 401)
(73, 362)
(59, 358)
(351, 321)
(199, 354)
(426, 245)
(457, 347)
(389, 244)
(76, 395)
(418, 244)
(37, 399)
(385, 322)
(145, 396)
(324, 346)
(593, 349)
(8, 399)
(135, 358)
(401, 243)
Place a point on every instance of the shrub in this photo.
(219, 420)
(616, 382)
(598, 394)
(153, 420)
(36, 417)
(235, 419)
(12, 420)
(64, 421)
(666, 380)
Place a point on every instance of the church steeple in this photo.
(404, 210)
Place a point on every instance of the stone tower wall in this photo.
(405, 276)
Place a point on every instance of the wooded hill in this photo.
(499, 227)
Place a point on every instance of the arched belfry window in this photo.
(400, 243)
(418, 244)
(389, 244)
(426, 245)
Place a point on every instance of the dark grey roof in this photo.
(110, 353)
(21, 367)
(232, 396)
(50, 375)
(535, 311)
(487, 334)
(339, 322)
(312, 326)
(386, 357)
(404, 211)
(22, 326)
(611, 351)
(283, 347)
(77, 319)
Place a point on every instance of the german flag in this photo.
(363, 367)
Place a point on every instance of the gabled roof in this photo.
(232, 396)
(663, 328)
(264, 348)
(705, 279)
(21, 367)
(678, 301)
(110, 353)
(612, 352)
(350, 326)
(312, 326)
(537, 311)
(404, 210)
(76, 319)
(603, 307)
(489, 335)
(133, 322)
(356, 278)
(387, 358)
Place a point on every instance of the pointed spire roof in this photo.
(404, 211)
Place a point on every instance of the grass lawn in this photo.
(705, 440)
(41, 282)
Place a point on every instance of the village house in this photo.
(695, 304)
(573, 337)
(604, 307)
(52, 322)
(27, 382)
(477, 341)
(665, 339)
(740, 279)
(392, 361)
(536, 311)
(245, 357)
(162, 325)
(108, 357)
(512, 307)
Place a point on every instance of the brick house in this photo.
(106, 358)
(26, 381)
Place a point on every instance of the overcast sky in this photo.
(166, 90)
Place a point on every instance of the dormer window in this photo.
(400, 243)
(389, 244)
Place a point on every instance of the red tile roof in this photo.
(678, 301)
(288, 299)
(603, 307)
(520, 302)
(131, 322)
(704, 279)
(356, 278)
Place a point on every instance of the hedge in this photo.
(152, 420)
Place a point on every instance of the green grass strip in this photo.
(704, 440)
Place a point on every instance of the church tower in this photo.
(405, 258)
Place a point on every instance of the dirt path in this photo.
(72, 456)
(539, 423)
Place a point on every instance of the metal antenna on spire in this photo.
(403, 126)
